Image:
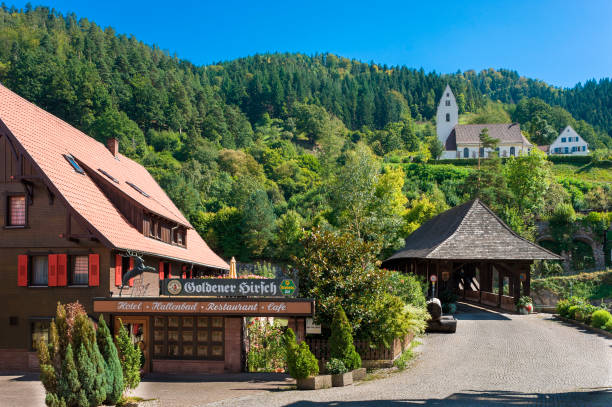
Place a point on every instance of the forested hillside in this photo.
(258, 149)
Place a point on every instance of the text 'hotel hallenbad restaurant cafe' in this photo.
(83, 222)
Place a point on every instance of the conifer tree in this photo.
(341, 341)
(129, 355)
(69, 386)
(90, 362)
(114, 373)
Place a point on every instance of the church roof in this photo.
(469, 232)
(470, 134)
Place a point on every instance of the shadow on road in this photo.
(277, 378)
(469, 313)
(588, 397)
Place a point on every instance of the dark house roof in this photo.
(470, 134)
(469, 232)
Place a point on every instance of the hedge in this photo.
(570, 159)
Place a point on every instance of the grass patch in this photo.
(131, 401)
(594, 286)
(592, 173)
(407, 355)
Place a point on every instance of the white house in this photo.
(569, 142)
(463, 140)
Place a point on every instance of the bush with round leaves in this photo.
(600, 318)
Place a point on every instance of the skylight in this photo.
(137, 189)
(74, 164)
(115, 180)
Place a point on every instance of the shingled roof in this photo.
(46, 139)
(470, 134)
(469, 232)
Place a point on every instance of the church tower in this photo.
(448, 115)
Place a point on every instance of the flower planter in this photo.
(315, 382)
(526, 309)
(342, 379)
(359, 374)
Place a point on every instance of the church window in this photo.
(447, 94)
(466, 152)
(448, 117)
(512, 151)
(448, 103)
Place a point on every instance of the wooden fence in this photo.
(371, 356)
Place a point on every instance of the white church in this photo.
(463, 140)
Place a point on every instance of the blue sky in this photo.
(561, 42)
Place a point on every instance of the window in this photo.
(566, 150)
(448, 103)
(563, 139)
(109, 176)
(16, 215)
(39, 331)
(74, 164)
(188, 337)
(40, 270)
(466, 152)
(583, 148)
(448, 117)
(447, 94)
(137, 189)
(179, 238)
(512, 151)
(481, 152)
(80, 270)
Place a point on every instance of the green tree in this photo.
(259, 221)
(112, 365)
(129, 355)
(341, 341)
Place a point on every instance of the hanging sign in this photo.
(230, 287)
(312, 328)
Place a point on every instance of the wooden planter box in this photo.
(359, 374)
(315, 382)
(343, 379)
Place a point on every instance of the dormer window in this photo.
(137, 189)
(448, 117)
(74, 164)
(115, 180)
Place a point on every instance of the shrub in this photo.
(335, 366)
(409, 287)
(290, 344)
(306, 365)
(571, 312)
(608, 326)
(114, 373)
(341, 341)
(563, 307)
(129, 355)
(600, 318)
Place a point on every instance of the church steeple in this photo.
(447, 116)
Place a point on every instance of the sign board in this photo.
(445, 276)
(433, 278)
(523, 277)
(229, 287)
(212, 307)
(312, 328)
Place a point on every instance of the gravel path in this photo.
(493, 359)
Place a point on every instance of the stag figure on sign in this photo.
(139, 268)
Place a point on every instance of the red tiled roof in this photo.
(46, 139)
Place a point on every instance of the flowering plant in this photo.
(266, 352)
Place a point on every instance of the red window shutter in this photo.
(169, 270)
(22, 270)
(52, 270)
(62, 270)
(94, 270)
(161, 270)
(184, 271)
(118, 270)
(131, 268)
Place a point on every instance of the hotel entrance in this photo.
(138, 329)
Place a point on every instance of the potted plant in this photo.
(341, 345)
(525, 305)
(303, 366)
(340, 375)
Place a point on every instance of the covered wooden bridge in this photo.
(472, 252)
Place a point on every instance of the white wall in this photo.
(447, 106)
(504, 151)
(577, 145)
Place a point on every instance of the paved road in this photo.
(493, 360)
